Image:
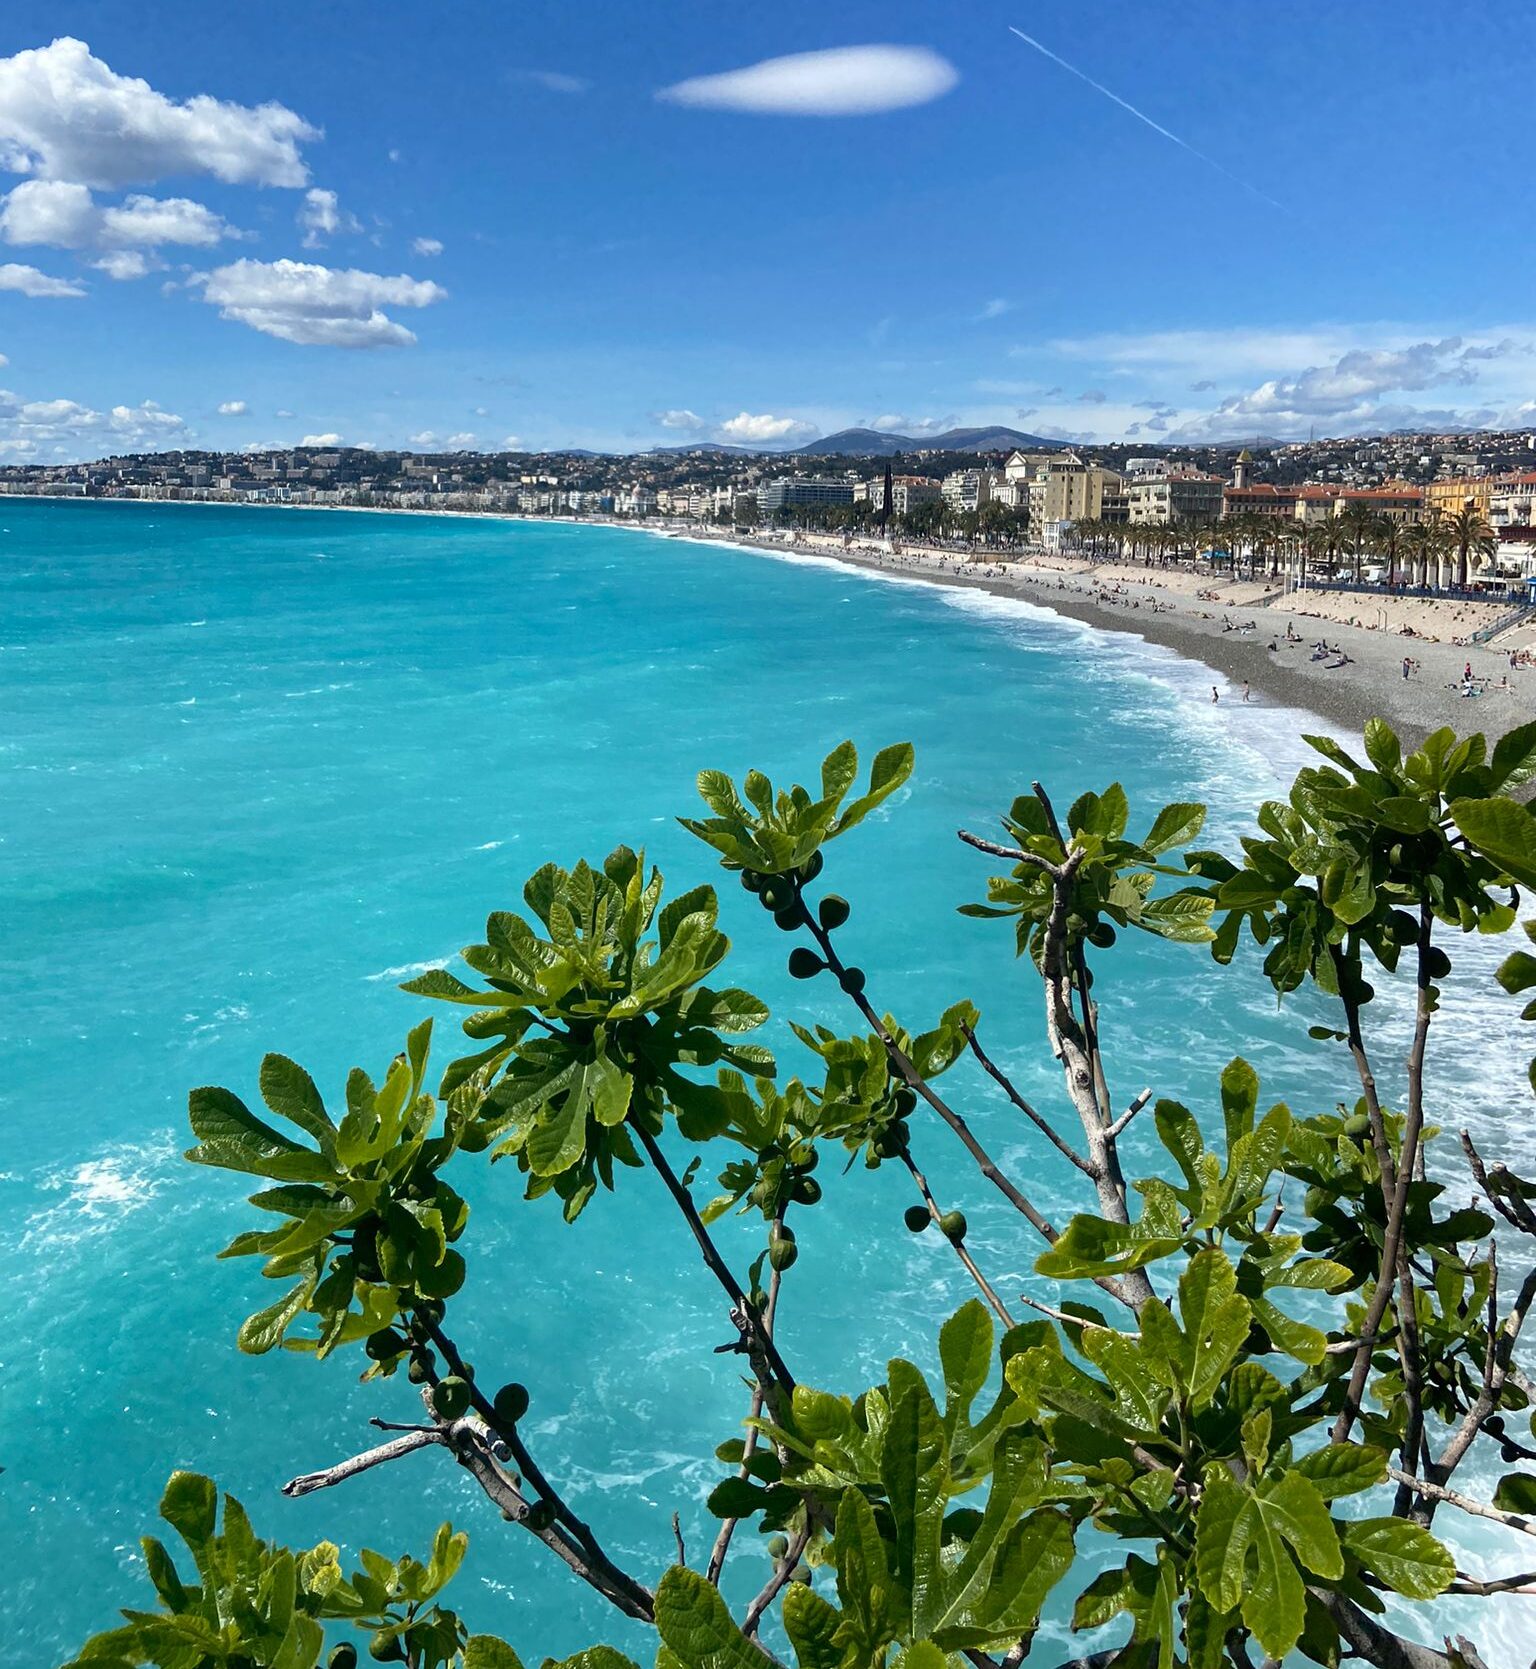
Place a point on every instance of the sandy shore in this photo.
(1279, 670)
(1199, 619)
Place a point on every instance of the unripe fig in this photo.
(541, 1516)
(812, 867)
(386, 1648)
(917, 1218)
(1436, 963)
(1102, 934)
(833, 910)
(751, 880)
(343, 1656)
(782, 1255)
(420, 1370)
(776, 893)
(852, 981)
(790, 917)
(953, 1226)
(905, 1101)
(778, 1546)
(511, 1403)
(445, 1279)
(1357, 1125)
(450, 1397)
(806, 1191)
(804, 963)
(384, 1345)
(801, 1573)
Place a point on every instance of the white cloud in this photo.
(1092, 397)
(160, 220)
(511, 443)
(299, 301)
(28, 281)
(845, 81)
(63, 215)
(1346, 394)
(322, 217)
(321, 440)
(427, 246)
(282, 414)
(65, 115)
(232, 408)
(428, 440)
(126, 264)
(679, 418)
(555, 81)
(995, 309)
(746, 427)
(897, 424)
(32, 428)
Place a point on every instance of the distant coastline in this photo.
(1372, 685)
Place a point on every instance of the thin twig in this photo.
(936, 1216)
(781, 1575)
(329, 1476)
(1001, 1078)
(1478, 1509)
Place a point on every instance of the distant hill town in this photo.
(989, 487)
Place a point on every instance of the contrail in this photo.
(1141, 116)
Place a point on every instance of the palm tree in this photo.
(1426, 542)
(1386, 540)
(1469, 532)
(1357, 525)
(1319, 542)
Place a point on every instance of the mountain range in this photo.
(881, 443)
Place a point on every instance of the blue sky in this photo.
(480, 223)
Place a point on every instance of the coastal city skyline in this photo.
(686, 228)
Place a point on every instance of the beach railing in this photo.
(1506, 622)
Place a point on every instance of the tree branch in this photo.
(755, 1339)
(329, 1476)
(1001, 1078)
(965, 1257)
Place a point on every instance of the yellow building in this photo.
(1445, 498)
(1068, 490)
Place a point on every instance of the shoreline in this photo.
(1370, 685)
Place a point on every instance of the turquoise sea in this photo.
(256, 767)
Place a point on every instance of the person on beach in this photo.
(1215, 695)
(1246, 692)
(1406, 664)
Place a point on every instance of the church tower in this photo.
(1240, 468)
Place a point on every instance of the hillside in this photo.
(880, 443)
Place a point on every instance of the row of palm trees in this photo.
(1418, 553)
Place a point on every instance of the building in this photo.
(1065, 489)
(793, 490)
(967, 489)
(1261, 500)
(906, 491)
(1021, 466)
(1445, 498)
(1188, 496)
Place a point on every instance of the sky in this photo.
(555, 224)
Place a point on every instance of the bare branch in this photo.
(755, 1338)
(1478, 1509)
(1125, 1118)
(965, 1257)
(1011, 853)
(781, 1575)
(1001, 1078)
(329, 1476)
